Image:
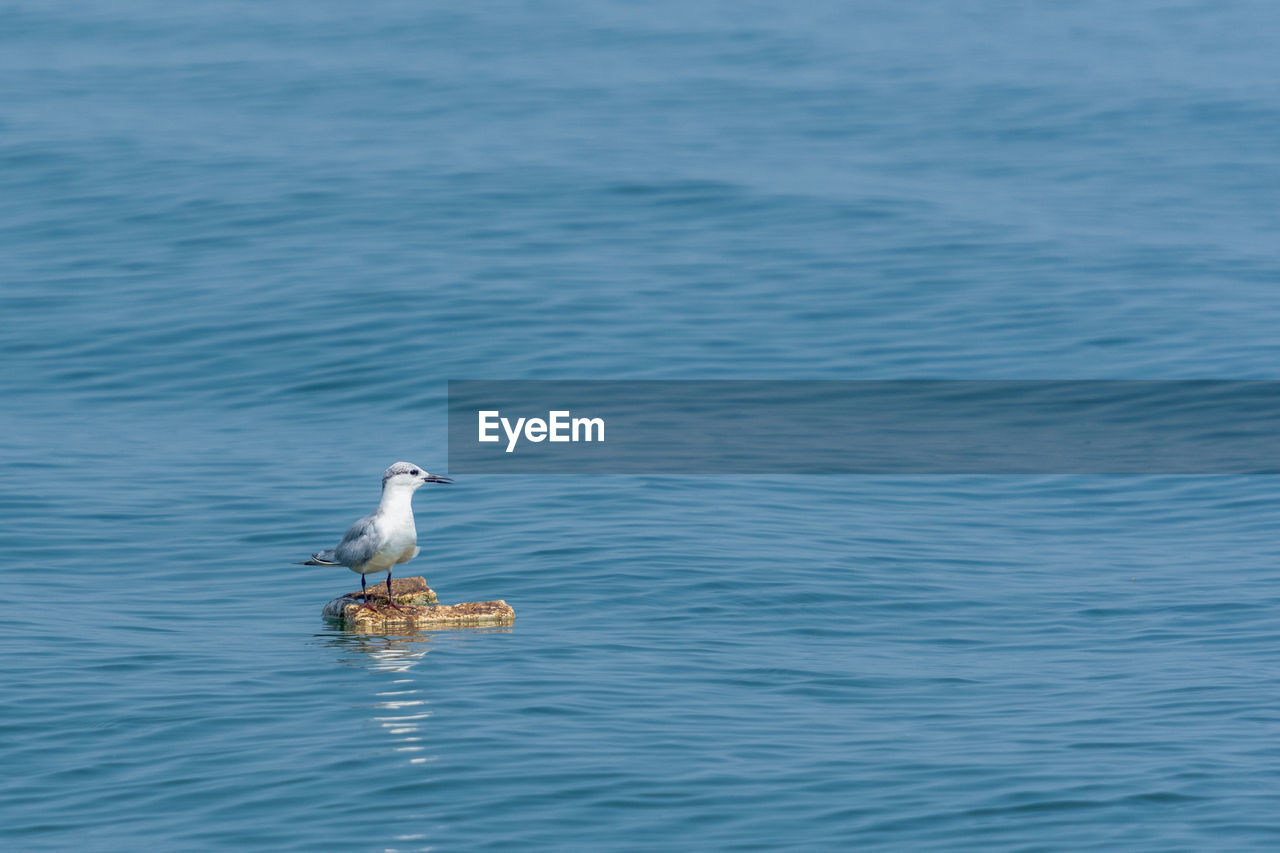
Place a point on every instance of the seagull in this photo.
(385, 537)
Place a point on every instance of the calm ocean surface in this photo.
(244, 246)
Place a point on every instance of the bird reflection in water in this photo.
(401, 708)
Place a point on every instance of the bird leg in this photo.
(391, 602)
(364, 591)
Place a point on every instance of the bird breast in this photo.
(401, 544)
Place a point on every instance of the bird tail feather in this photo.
(322, 558)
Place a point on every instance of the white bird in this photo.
(385, 537)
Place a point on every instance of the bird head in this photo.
(410, 476)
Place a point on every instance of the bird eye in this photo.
(414, 472)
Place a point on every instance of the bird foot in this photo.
(377, 604)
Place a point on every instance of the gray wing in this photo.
(359, 545)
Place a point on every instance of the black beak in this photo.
(436, 478)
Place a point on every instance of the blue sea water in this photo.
(244, 246)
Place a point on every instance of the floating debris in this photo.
(413, 606)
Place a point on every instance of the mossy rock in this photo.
(416, 608)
